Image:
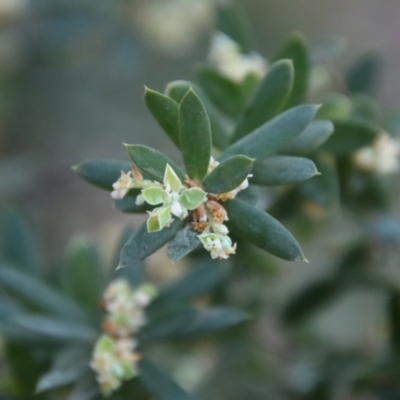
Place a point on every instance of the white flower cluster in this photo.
(382, 157)
(114, 359)
(226, 55)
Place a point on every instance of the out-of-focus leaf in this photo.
(142, 244)
(220, 127)
(182, 244)
(268, 99)
(349, 136)
(17, 241)
(317, 133)
(228, 175)
(68, 367)
(166, 111)
(365, 109)
(274, 135)
(151, 162)
(262, 230)
(310, 300)
(363, 75)
(280, 170)
(128, 205)
(391, 123)
(86, 389)
(195, 136)
(328, 49)
(322, 191)
(82, 265)
(295, 49)
(54, 329)
(225, 94)
(102, 173)
(190, 323)
(335, 107)
(159, 384)
(394, 320)
(39, 294)
(233, 22)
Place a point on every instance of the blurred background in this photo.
(72, 76)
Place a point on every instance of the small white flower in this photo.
(122, 186)
(226, 55)
(381, 157)
(219, 246)
(178, 210)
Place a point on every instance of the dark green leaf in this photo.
(225, 94)
(142, 244)
(39, 294)
(233, 22)
(128, 205)
(17, 241)
(280, 170)
(195, 134)
(274, 135)
(166, 111)
(86, 389)
(268, 100)
(296, 50)
(182, 244)
(53, 329)
(365, 109)
(159, 384)
(82, 265)
(350, 136)
(151, 162)
(363, 76)
(394, 319)
(317, 133)
(102, 173)
(262, 230)
(322, 190)
(228, 175)
(220, 127)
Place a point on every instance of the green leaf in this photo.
(151, 162)
(363, 76)
(102, 173)
(192, 198)
(17, 241)
(393, 310)
(225, 94)
(262, 230)
(365, 109)
(350, 136)
(172, 180)
(158, 219)
(228, 175)
(159, 384)
(57, 330)
(143, 244)
(166, 111)
(68, 368)
(128, 205)
(335, 107)
(86, 389)
(232, 21)
(182, 244)
(317, 133)
(195, 134)
(39, 294)
(82, 265)
(296, 50)
(280, 170)
(220, 126)
(268, 100)
(153, 195)
(274, 135)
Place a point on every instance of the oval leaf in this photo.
(143, 244)
(317, 133)
(281, 170)
(228, 175)
(192, 198)
(296, 50)
(166, 111)
(151, 162)
(268, 100)
(262, 230)
(153, 195)
(102, 173)
(182, 244)
(195, 135)
(274, 135)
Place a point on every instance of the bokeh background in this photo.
(72, 76)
